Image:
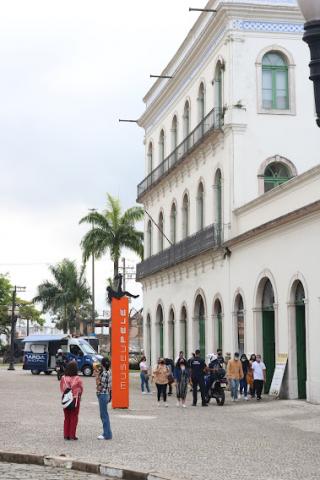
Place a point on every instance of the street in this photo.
(270, 440)
(34, 472)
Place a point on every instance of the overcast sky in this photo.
(68, 70)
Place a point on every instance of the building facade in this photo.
(232, 194)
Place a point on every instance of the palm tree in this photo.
(111, 231)
(67, 293)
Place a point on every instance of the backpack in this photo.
(68, 401)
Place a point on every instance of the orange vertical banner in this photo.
(120, 352)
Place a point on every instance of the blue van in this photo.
(40, 353)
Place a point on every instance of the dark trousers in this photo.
(162, 390)
(257, 387)
(71, 421)
(195, 382)
(243, 386)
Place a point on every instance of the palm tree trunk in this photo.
(115, 268)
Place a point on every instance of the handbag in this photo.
(170, 379)
(68, 401)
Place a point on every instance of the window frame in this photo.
(291, 90)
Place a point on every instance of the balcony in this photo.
(202, 241)
(210, 122)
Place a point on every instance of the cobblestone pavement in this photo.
(270, 440)
(9, 471)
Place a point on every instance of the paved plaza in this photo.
(9, 471)
(271, 440)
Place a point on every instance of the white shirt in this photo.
(258, 368)
(143, 366)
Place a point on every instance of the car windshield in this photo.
(86, 348)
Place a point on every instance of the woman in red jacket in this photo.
(71, 380)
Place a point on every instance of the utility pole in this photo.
(124, 273)
(93, 314)
(13, 323)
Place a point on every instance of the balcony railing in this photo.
(202, 241)
(210, 122)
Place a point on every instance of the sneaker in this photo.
(194, 404)
(158, 404)
(100, 437)
(233, 399)
(166, 405)
(236, 399)
(245, 398)
(184, 406)
(144, 393)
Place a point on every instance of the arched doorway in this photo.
(217, 325)
(148, 339)
(183, 331)
(159, 323)
(301, 339)
(239, 318)
(200, 332)
(171, 335)
(268, 332)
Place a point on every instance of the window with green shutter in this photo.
(275, 174)
(275, 84)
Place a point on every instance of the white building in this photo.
(232, 179)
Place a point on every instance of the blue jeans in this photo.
(103, 399)
(234, 384)
(243, 386)
(144, 381)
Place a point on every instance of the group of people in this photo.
(244, 375)
(71, 382)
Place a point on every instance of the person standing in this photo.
(170, 364)
(160, 375)
(72, 381)
(259, 376)
(144, 375)
(234, 374)
(243, 382)
(182, 378)
(103, 384)
(198, 367)
(250, 375)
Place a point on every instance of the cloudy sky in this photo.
(68, 70)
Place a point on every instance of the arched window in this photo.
(218, 92)
(275, 95)
(218, 202)
(200, 332)
(268, 296)
(186, 119)
(201, 101)
(171, 332)
(159, 327)
(173, 223)
(174, 133)
(275, 174)
(150, 158)
(160, 232)
(161, 146)
(149, 239)
(185, 216)
(200, 206)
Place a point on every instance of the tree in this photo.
(111, 231)
(66, 295)
(27, 310)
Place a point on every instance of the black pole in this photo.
(13, 329)
(312, 38)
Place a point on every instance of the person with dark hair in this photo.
(160, 375)
(170, 364)
(243, 382)
(182, 377)
(234, 375)
(103, 383)
(198, 367)
(72, 381)
(250, 375)
(144, 375)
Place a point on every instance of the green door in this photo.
(301, 350)
(161, 339)
(219, 320)
(269, 346)
(202, 336)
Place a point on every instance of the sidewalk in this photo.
(272, 440)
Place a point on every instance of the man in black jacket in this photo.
(198, 367)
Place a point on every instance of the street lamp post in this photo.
(13, 312)
(311, 11)
(92, 210)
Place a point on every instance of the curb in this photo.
(111, 471)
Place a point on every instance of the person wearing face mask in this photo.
(182, 378)
(250, 375)
(234, 374)
(160, 375)
(243, 382)
(259, 376)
